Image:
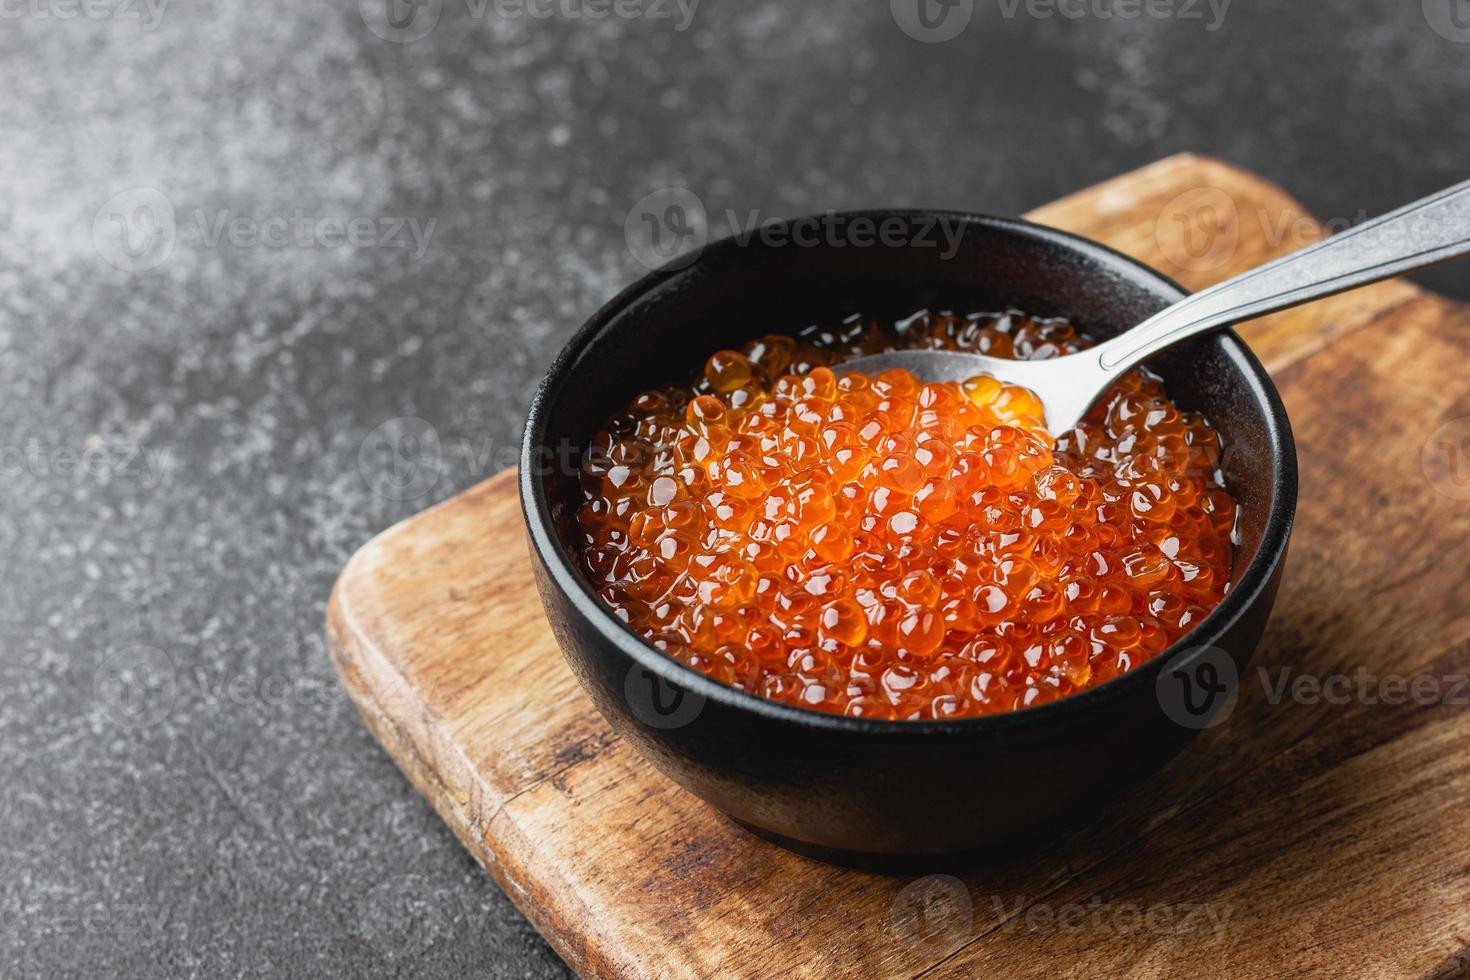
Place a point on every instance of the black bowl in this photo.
(851, 789)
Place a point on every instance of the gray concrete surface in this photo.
(365, 229)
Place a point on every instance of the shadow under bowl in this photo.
(858, 790)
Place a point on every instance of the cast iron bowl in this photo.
(861, 790)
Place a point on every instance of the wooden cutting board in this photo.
(1303, 836)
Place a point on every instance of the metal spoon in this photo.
(1432, 230)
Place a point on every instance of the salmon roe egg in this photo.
(886, 548)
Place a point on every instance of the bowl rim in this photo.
(1196, 643)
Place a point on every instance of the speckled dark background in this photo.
(183, 790)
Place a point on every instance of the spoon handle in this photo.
(1431, 230)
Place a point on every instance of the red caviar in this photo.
(886, 548)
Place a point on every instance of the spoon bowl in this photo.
(1065, 404)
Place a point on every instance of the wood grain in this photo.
(1300, 838)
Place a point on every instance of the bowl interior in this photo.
(662, 327)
